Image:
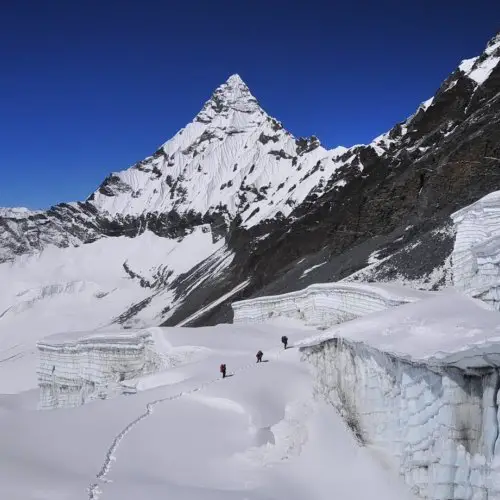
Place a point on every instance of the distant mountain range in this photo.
(234, 206)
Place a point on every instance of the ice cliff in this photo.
(325, 304)
(74, 368)
(476, 253)
(421, 382)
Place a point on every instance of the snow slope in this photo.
(479, 68)
(232, 155)
(420, 382)
(85, 287)
(92, 286)
(193, 435)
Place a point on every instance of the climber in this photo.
(223, 370)
(284, 340)
(259, 356)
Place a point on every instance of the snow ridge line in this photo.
(93, 490)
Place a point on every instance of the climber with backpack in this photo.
(284, 340)
(259, 356)
(223, 370)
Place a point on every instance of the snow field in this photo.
(194, 436)
(85, 288)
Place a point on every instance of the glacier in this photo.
(92, 286)
(76, 368)
(421, 383)
(262, 438)
(415, 375)
(476, 252)
(326, 304)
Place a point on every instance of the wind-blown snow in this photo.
(482, 71)
(467, 64)
(427, 104)
(325, 304)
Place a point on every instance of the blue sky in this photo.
(89, 87)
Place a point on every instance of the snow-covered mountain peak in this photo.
(232, 96)
(479, 68)
(232, 159)
(493, 44)
(17, 212)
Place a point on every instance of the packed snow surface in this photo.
(185, 433)
(326, 304)
(446, 328)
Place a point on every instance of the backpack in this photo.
(222, 367)
(284, 339)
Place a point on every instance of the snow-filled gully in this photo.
(94, 491)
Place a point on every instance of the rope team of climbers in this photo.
(259, 356)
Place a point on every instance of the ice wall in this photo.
(326, 304)
(439, 424)
(421, 382)
(74, 369)
(476, 253)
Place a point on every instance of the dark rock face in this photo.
(306, 145)
(398, 203)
